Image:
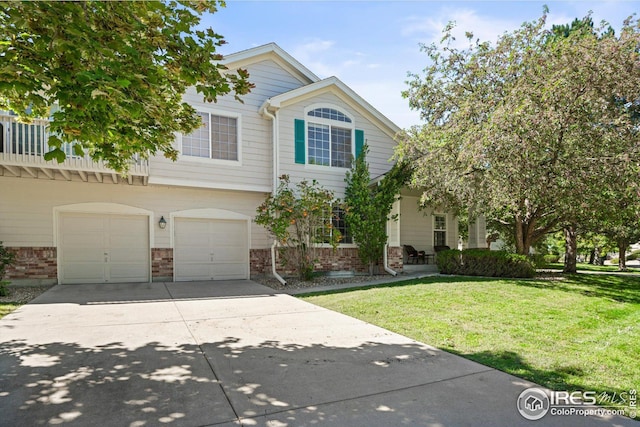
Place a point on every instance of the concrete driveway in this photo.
(234, 353)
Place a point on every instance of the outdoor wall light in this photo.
(162, 223)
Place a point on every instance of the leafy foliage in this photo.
(368, 207)
(6, 259)
(527, 131)
(111, 74)
(479, 262)
(299, 219)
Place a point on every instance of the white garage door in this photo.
(98, 248)
(210, 249)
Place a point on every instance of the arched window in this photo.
(330, 138)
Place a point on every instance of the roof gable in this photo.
(342, 91)
(275, 53)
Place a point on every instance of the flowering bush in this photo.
(299, 219)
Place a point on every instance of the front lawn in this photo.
(580, 332)
(591, 267)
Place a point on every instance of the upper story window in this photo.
(329, 113)
(329, 138)
(217, 138)
(440, 230)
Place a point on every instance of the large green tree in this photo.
(115, 72)
(527, 130)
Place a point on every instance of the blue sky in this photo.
(371, 45)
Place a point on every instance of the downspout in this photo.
(385, 261)
(276, 168)
(276, 145)
(273, 264)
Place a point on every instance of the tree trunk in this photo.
(523, 237)
(571, 249)
(623, 244)
(592, 257)
(596, 256)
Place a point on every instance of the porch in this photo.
(22, 150)
(427, 230)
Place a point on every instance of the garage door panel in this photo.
(97, 248)
(127, 272)
(230, 254)
(207, 249)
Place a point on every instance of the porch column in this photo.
(393, 226)
(477, 232)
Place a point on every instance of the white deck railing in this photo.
(25, 145)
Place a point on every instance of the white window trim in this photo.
(353, 244)
(196, 159)
(322, 121)
(446, 224)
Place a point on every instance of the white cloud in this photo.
(385, 96)
(483, 27)
(429, 29)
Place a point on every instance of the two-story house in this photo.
(80, 222)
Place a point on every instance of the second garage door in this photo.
(211, 249)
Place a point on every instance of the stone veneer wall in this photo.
(342, 259)
(33, 263)
(41, 262)
(162, 264)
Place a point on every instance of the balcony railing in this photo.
(22, 149)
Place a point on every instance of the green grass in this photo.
(591, 267)
(580, 332)
(6, 308)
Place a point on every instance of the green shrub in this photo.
(551, 258)
(6, 259)
(449, 261)
(481, 262)
(634, 255)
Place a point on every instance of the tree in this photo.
(299, 219)
(526, 131)
(368, 207)
(111, 74)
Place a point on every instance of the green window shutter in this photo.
(299, 141)
(359, 141)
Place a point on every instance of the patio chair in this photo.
(413, 255)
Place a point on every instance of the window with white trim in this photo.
(339, 223)
(217, 138)
(329, 136)
(439, 230)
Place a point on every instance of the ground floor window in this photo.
(440, 230)
(340, 224)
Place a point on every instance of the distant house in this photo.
(80, 222)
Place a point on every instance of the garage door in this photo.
(210, 249)
(104, 248)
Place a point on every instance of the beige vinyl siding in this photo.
(416, 226)
(380, 145)
(26, 210)
(253, 171)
